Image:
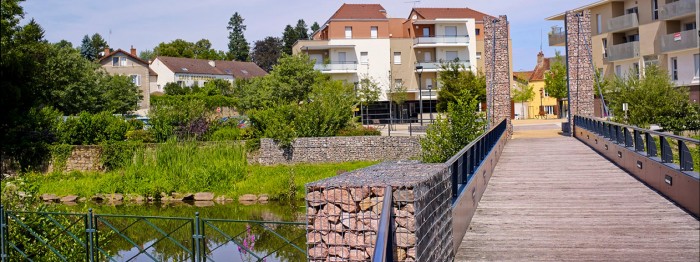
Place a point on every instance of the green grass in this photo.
(188, 168)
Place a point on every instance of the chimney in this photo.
(540, 58)
(106, 51)
(212, 63)
(133, 51)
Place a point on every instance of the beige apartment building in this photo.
(121, 62)
(628, 35)
(362, 41)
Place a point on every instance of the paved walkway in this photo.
(552, 198)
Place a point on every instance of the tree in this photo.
(237, 46)
(398, 95)
(522, 94)
(456, 81)
(315, 27)
(119, 94)
(555, 80)
(653, 99)
(448, 135)
(87, 50)
(302, 30)
(293, 77)
(289, 37)
(368, 92)
(266, 52)
(181, 48)
(147, 55)
(98, 44)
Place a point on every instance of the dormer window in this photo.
(118, 61)
(184, 69)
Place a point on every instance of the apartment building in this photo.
(362, 41)
(628, 35)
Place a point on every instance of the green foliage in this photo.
(238, 47)
(59, 156)
(522, 94)
(555, 78)
(147, 55)
(141, 135)
(448, 135)
(327, 112)
(289, 37)
(359, 131)
(315, 27)
(228, 133)
(293, 78)
(120, 94)
(180, 48)
(456, 82)
(652, 99)
(29, 141)
(166, 118)
(266, 52)
(275, 122)
(117, 154)
(89, 129)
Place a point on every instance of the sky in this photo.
(145, 24)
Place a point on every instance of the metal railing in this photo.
(677, 9)
(679, 41)
(55, 236)
(467, 161)
(337, 66)
(646, 142)
(384, 246)
(436, 65)
(622, 23)
(623, 51)
(441, 39)
(557, 37)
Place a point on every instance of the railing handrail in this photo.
(383, 246)
(443, 36)
(459, 154)
(339, 62)
(644, 130)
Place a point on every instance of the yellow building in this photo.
(542, 105)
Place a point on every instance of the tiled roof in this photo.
(138, 59)
(360, 11)
(151, 72)
(434, 13)
(203, 66)
(522, 75)
(240, 69)
(541, 69)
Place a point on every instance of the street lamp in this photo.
(419, 70)
(542, 113)
(430, 100)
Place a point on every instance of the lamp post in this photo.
(430, 101)
(542, 113)
(419, 70)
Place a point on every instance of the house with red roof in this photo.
(120, 62)
(190, 71)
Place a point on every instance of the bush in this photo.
(89, 129)
(227, 133)
(144, 136)
(359, 131)
(118, 154)
(448, 135)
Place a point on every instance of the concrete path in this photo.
(552, 198)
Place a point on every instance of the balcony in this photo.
(557, 37)
(623, 51)
(622, 23)
(677, 9)
(432, 66)
(337, 67)
(679, 41)
(441, 40)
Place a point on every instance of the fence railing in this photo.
(666, 148)
(54, 236)
(383, 249)
(467, 161)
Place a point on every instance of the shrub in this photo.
(118, 154)
(226, 133)
(448, 135)
(144, 136)
(359, 131)
(89, 129)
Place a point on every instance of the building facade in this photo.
(121, 62)
(628, 35)
(361, 41)
(190, 71)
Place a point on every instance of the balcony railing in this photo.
(434, 65)
(623, 51)
(557, 37)
(677, 9)
(441, 39)
(679, 41)
(622, 23)
(337, 66)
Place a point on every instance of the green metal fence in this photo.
(54, 236)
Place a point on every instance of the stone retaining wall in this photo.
(339, 149)
(83, 158)
(343, 213)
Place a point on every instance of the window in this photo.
(654, 9)
(545, 93)
(549, 110)
(478, 31)
(689, 26)
(426, 31)
(618, 71)
(633, 38)
(397, 58)
(429, 83)
(450, 30)
(348, 32)
(373, 32)
(674, 68)
(635, 66)
(451, 56)
(363, 58)
(633, 10)
(599, 23)
(427, 57)
(123, 61)
(115, 61)
(181, 83)
(136, 79)
(696, 58)
(605, 47)
(478, 55)
(342, 57)
(398, 83)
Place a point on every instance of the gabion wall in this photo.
(343, 213)
(579, 64)
(497, 70)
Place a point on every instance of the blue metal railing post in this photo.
(384, 246)
(90, 231)
(196, 239)
(3, 235)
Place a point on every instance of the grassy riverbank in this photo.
(189, 168)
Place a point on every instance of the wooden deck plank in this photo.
(555, 199)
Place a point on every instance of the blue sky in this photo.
(144, 24)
